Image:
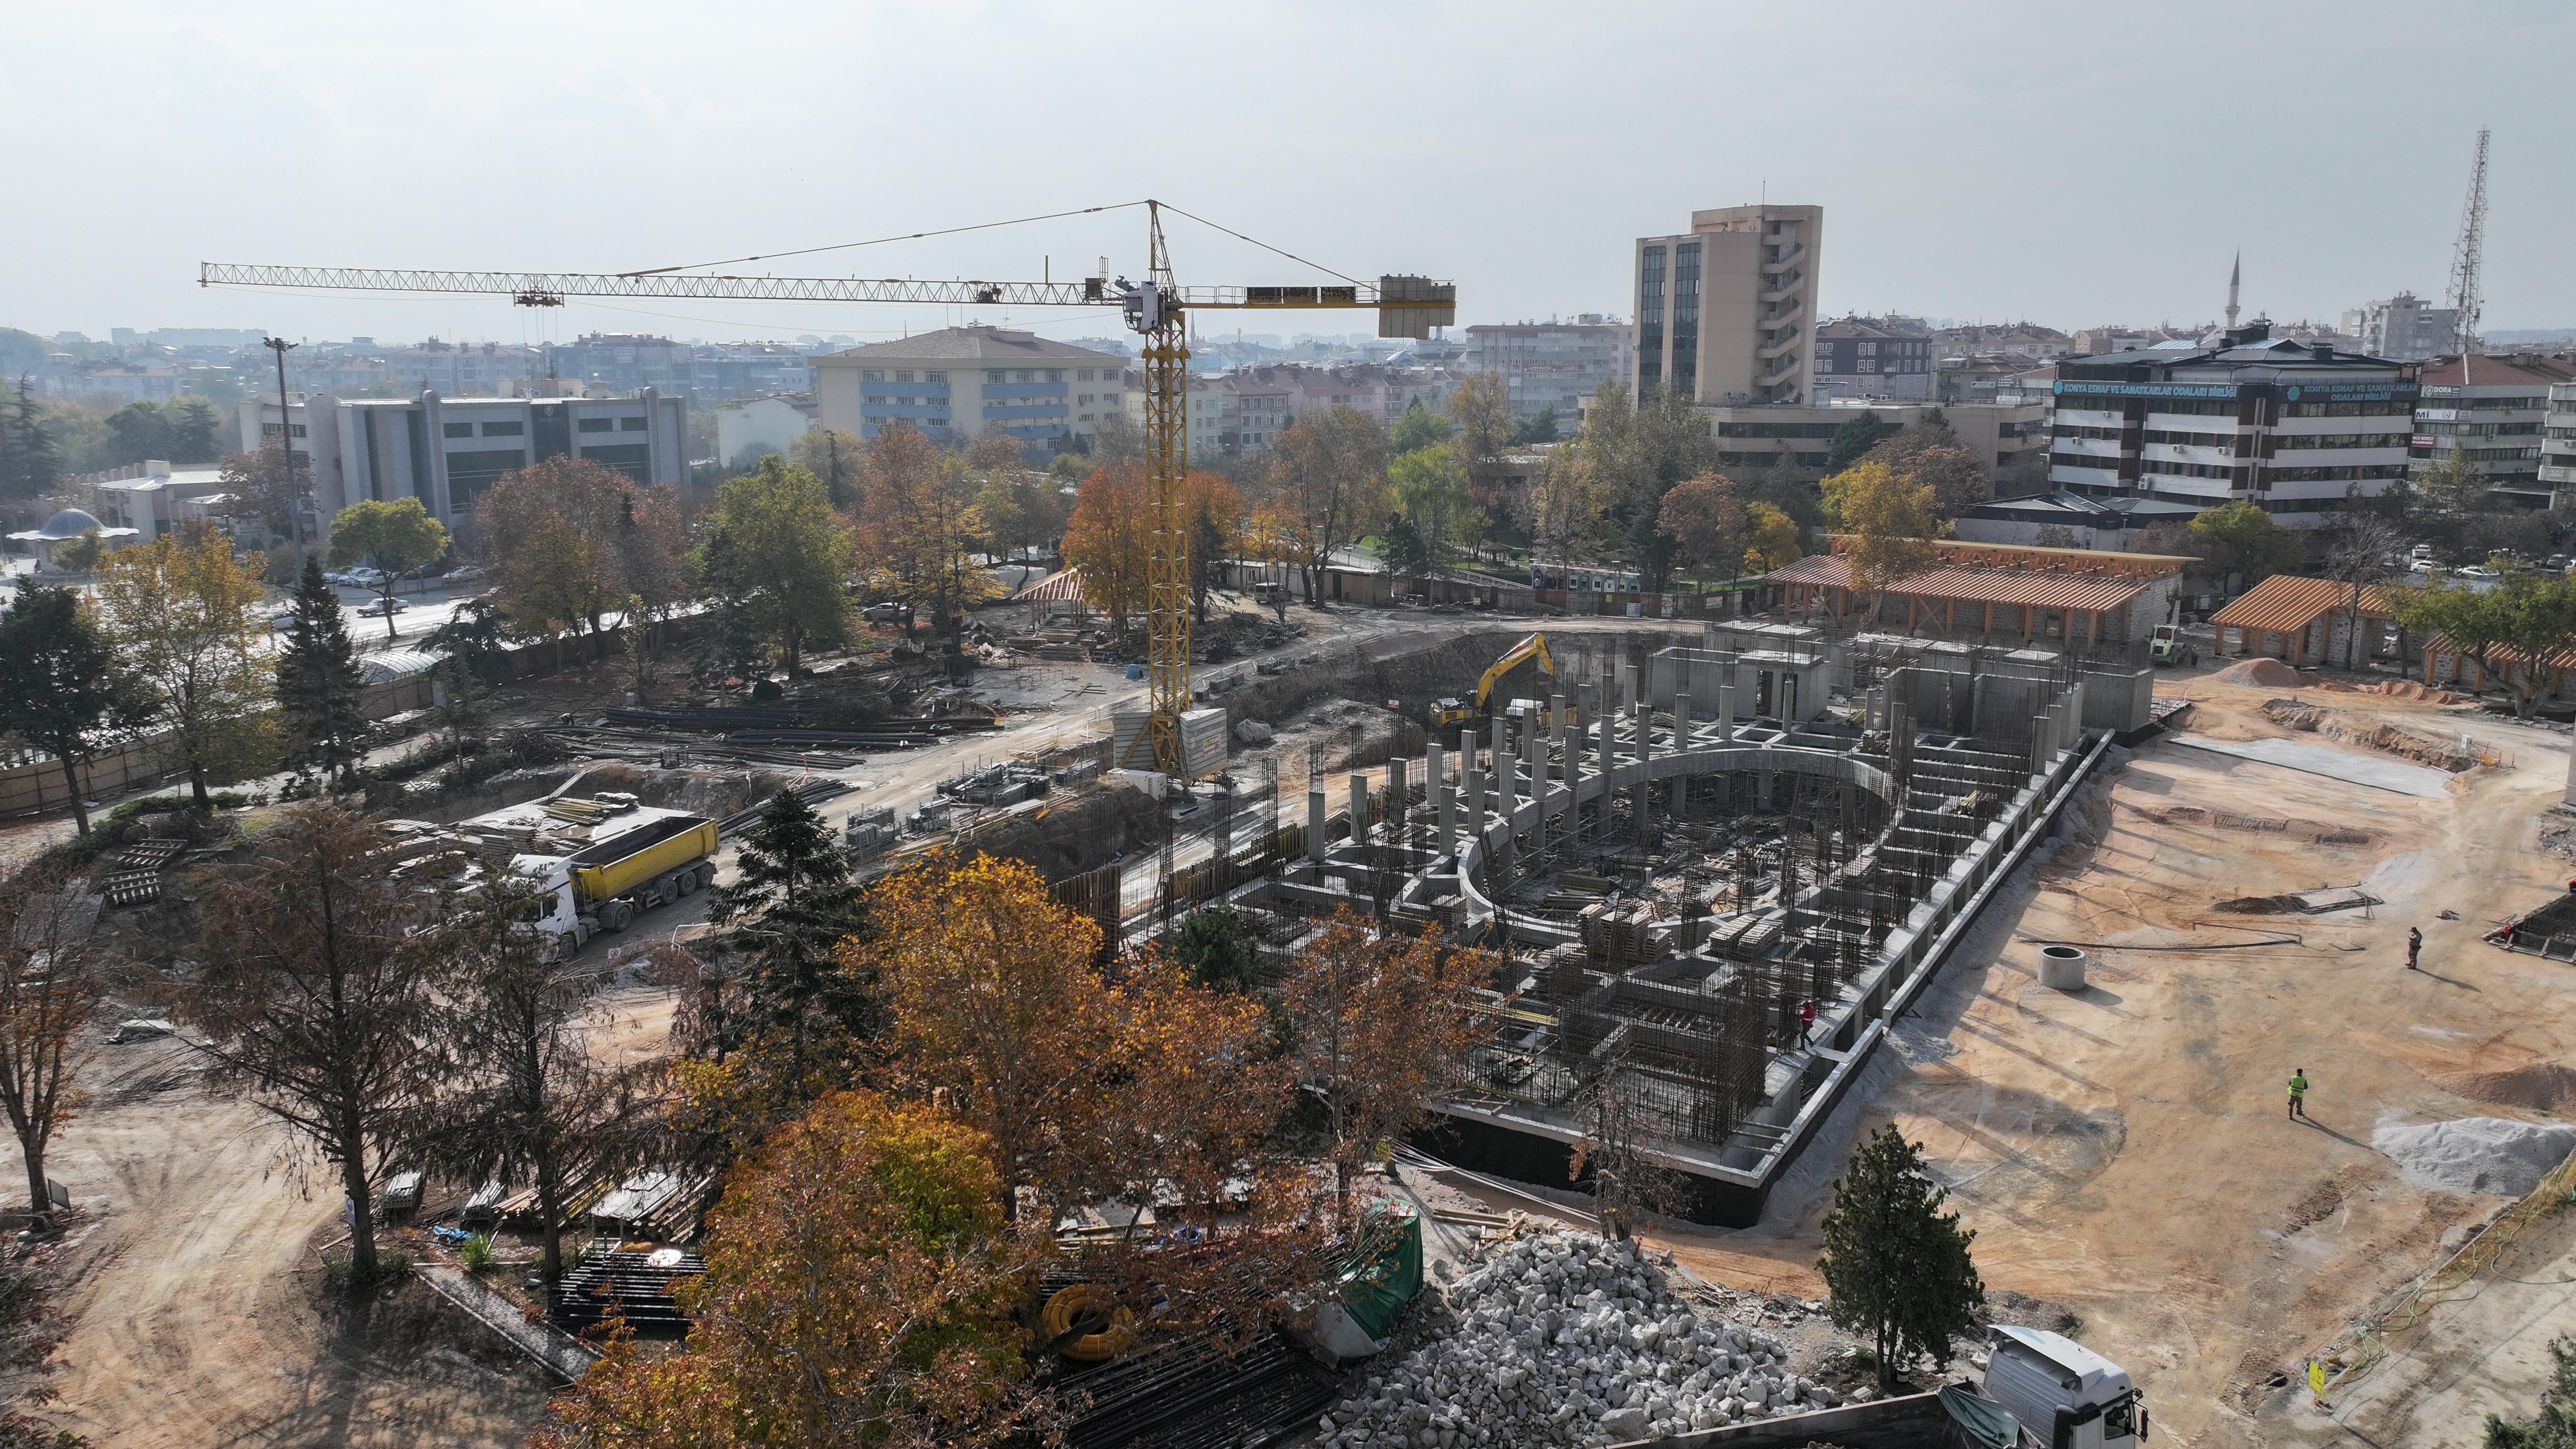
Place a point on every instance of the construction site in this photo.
(2065, 915)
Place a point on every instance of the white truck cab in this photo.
(2065, 1395)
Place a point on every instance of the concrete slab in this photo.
(2350, 766)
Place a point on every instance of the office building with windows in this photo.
(2405, 328)
(2494, 411)
(1874, 357)
(959, 382)
(1551, 367)
(445, 451)
(2289, 426)
(1726, 311)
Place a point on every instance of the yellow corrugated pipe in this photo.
(1071, 1303)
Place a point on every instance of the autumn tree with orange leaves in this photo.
(1382, 1023)
(861, 1277)
(1096, 1091)
(1111, 536)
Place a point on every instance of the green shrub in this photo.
(476, 1253)
(392, 1265)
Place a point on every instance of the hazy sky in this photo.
(2072, 164)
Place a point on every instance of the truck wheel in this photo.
(616, 916)
(685, 883)
(706, 873)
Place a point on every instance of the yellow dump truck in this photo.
(600, 862)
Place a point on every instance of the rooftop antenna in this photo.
(2469, 252)
(2235, 274)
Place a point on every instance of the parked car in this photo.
(379, 608)
(282, 622)
(365, 578)
(886, 613)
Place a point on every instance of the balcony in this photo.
(1790, 370)
(1787, 259)
(1792, 285)
(1769, 350)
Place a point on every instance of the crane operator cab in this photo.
(1143, 302)
(2065, 1395)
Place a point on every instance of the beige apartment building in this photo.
(1726, 312)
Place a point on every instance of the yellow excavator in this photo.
(1453, 711)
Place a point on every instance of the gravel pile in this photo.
(1566, 1339)
(2477, 1154)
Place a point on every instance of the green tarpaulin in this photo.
(1386, 1270)
(1982, 1419)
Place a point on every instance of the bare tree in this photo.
(526, 1099)
(1625, 1175)
(1382, 1025)
(316, 995)
(51, 979)
(2357, 555)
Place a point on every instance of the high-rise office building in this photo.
(1726, 311)
(2404, 328)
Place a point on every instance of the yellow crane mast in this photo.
(1157, 309)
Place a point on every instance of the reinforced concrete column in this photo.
(1315, 821)
(1399, 791)
(1446, 792)
(1558, 727)
(1726, 712)
(1359, 808)
(1473, 805)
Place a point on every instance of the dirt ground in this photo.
(2125, 1151)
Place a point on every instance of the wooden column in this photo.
(2093, 629)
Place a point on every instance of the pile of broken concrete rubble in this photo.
(1567, 1339)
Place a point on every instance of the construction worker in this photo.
(2299, 1092)
(2414, 946)
(1806, 1021)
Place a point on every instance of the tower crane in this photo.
(1156, 308)
(2468, 254)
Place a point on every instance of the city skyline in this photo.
(2071, 169)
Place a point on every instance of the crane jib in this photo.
(1408, 294)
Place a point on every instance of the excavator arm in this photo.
(1533, 647)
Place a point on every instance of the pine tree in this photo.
(793, 893)
(60, 688)
(1896, 1265)
(30, 460)
(318, 680)
(2554, 1426)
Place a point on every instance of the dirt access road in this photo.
(2125, 1150)
(194, 1312)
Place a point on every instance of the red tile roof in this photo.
(1978, 585)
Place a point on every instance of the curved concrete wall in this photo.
(1684, 764)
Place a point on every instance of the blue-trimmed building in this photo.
(960, 382)
(2293, 427)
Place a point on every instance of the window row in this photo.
(2347, 410)
(2294, 442)
(2346, 474)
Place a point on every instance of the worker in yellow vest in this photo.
(2299, 1092)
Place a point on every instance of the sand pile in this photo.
(2476, 1154)
(2267, 673)
(2540, 1086)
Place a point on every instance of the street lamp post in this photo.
(286, 445)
